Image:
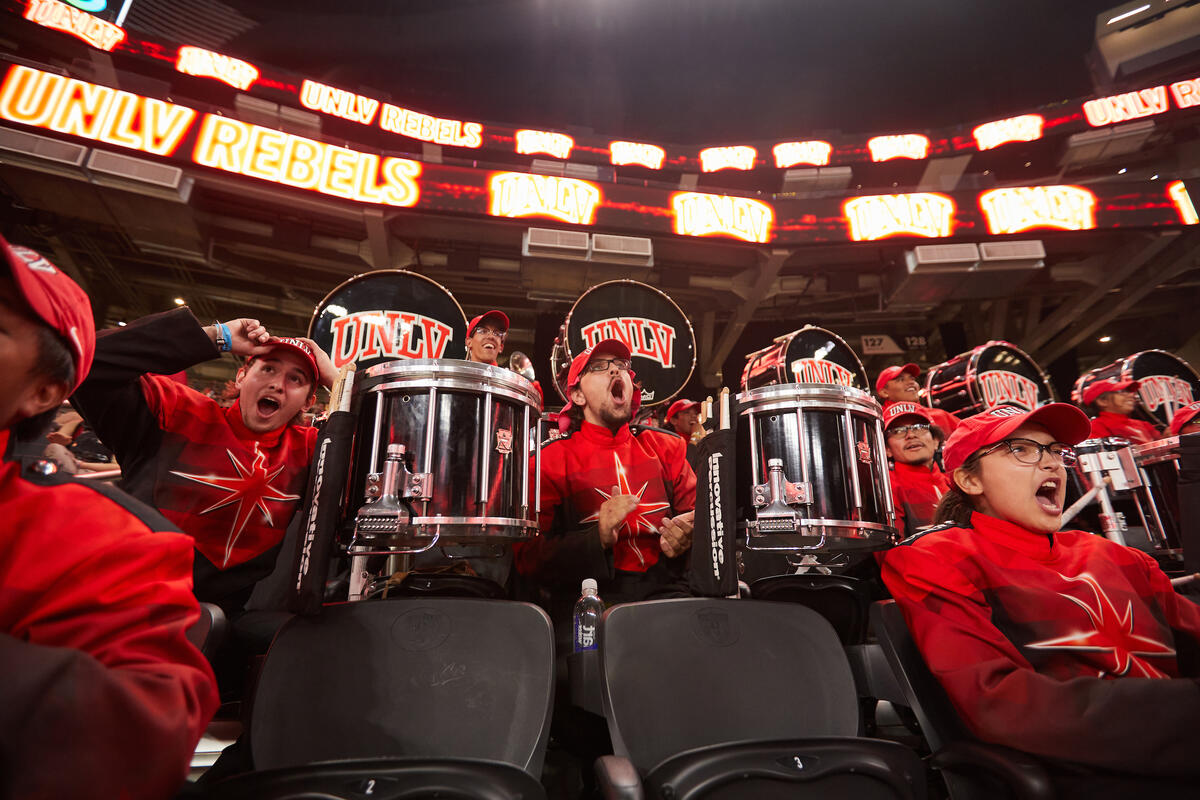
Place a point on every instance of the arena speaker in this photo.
(1144, 37)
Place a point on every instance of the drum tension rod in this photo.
(775, 498)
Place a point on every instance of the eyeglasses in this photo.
(602, 364)
(485, 331)
(904, 430)
(1028, 451)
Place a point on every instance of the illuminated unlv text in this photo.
(518, 194)
(880, 216)
(645, 338)
(699, 214)
(291, 160)
(1183, 203)
(555, 144)
(62, 17)
(1127, 106)
(909, 145)
(207, 64)
(1186, 93)
(338, 102)
(77, 108)
(736, 157)
(1069, 208)
(647, 155)
(789, 154)
(1025, 128)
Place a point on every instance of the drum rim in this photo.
(413, 371)
(972, 372)
(565, 331)
(787, 337)
(849, 399)
(318, 308)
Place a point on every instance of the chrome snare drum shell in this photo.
(830, 488)
(465, 473)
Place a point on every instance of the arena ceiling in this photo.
(686, 72)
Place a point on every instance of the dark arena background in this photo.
(919, 178)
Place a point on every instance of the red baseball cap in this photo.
(681, 405)
(1065, 422)
(499, 316)
(1182, 417)
(895, 411)
(1094, 390)
(300, 348)
(56, 300)
(891, 373)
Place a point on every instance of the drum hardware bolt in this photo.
(405, 398)
(372, 489)
(775, 498)
(388, 514)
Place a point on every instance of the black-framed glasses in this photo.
(602, 364)
(1028, 451)
(483, 330)
(904, 430)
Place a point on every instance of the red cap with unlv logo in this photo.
(56, 300)
(498, 317)
(608, 347)
(1065, 422)
(300, 348)
(894, 411)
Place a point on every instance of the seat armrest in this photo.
(1020, 772)
(618, 779)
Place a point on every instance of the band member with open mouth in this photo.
(917, 483)
(1058, 643)
(617, 501)
(1114, 402)
(232, 477)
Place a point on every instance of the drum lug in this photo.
(775, 498)
(388, 513)
(418, 485)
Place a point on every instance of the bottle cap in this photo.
(589, 583)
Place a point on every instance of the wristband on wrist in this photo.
(224, 337)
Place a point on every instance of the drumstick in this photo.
(706, 410)
(724, 422)
(339, 393)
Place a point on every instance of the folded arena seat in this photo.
(452, 695)
(716, 698)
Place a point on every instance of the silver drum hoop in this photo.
(447, 374)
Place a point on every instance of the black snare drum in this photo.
(993, 374)
(812, 470)
(441, 456)
(657, 333)
(810, 355)
(1168, 383)
(387, 315)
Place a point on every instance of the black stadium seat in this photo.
(449, 694)
(719, 698)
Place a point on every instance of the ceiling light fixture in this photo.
(1105, 339)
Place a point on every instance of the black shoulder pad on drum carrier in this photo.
(638, 429)
(943, 526)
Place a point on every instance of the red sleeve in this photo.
(672, 452)
(1127, 724)
(1099, 430)
(1183, 616)
(108, 695)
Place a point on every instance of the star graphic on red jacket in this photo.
(1111, 632)
(250, 489)
(636, 520)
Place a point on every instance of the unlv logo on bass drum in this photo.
(1157, 390)
(645, 338)
(1001, 388)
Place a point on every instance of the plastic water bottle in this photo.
(588, 610)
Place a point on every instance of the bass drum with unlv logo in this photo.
(658, 335)
(993, 374)
(388, 315)
(809, 355)
(1168, 383)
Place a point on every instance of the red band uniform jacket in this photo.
(233, 491)
(1137, 431)
(102, 694)
(1068, 646)
(916, 491)
(578, 474)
